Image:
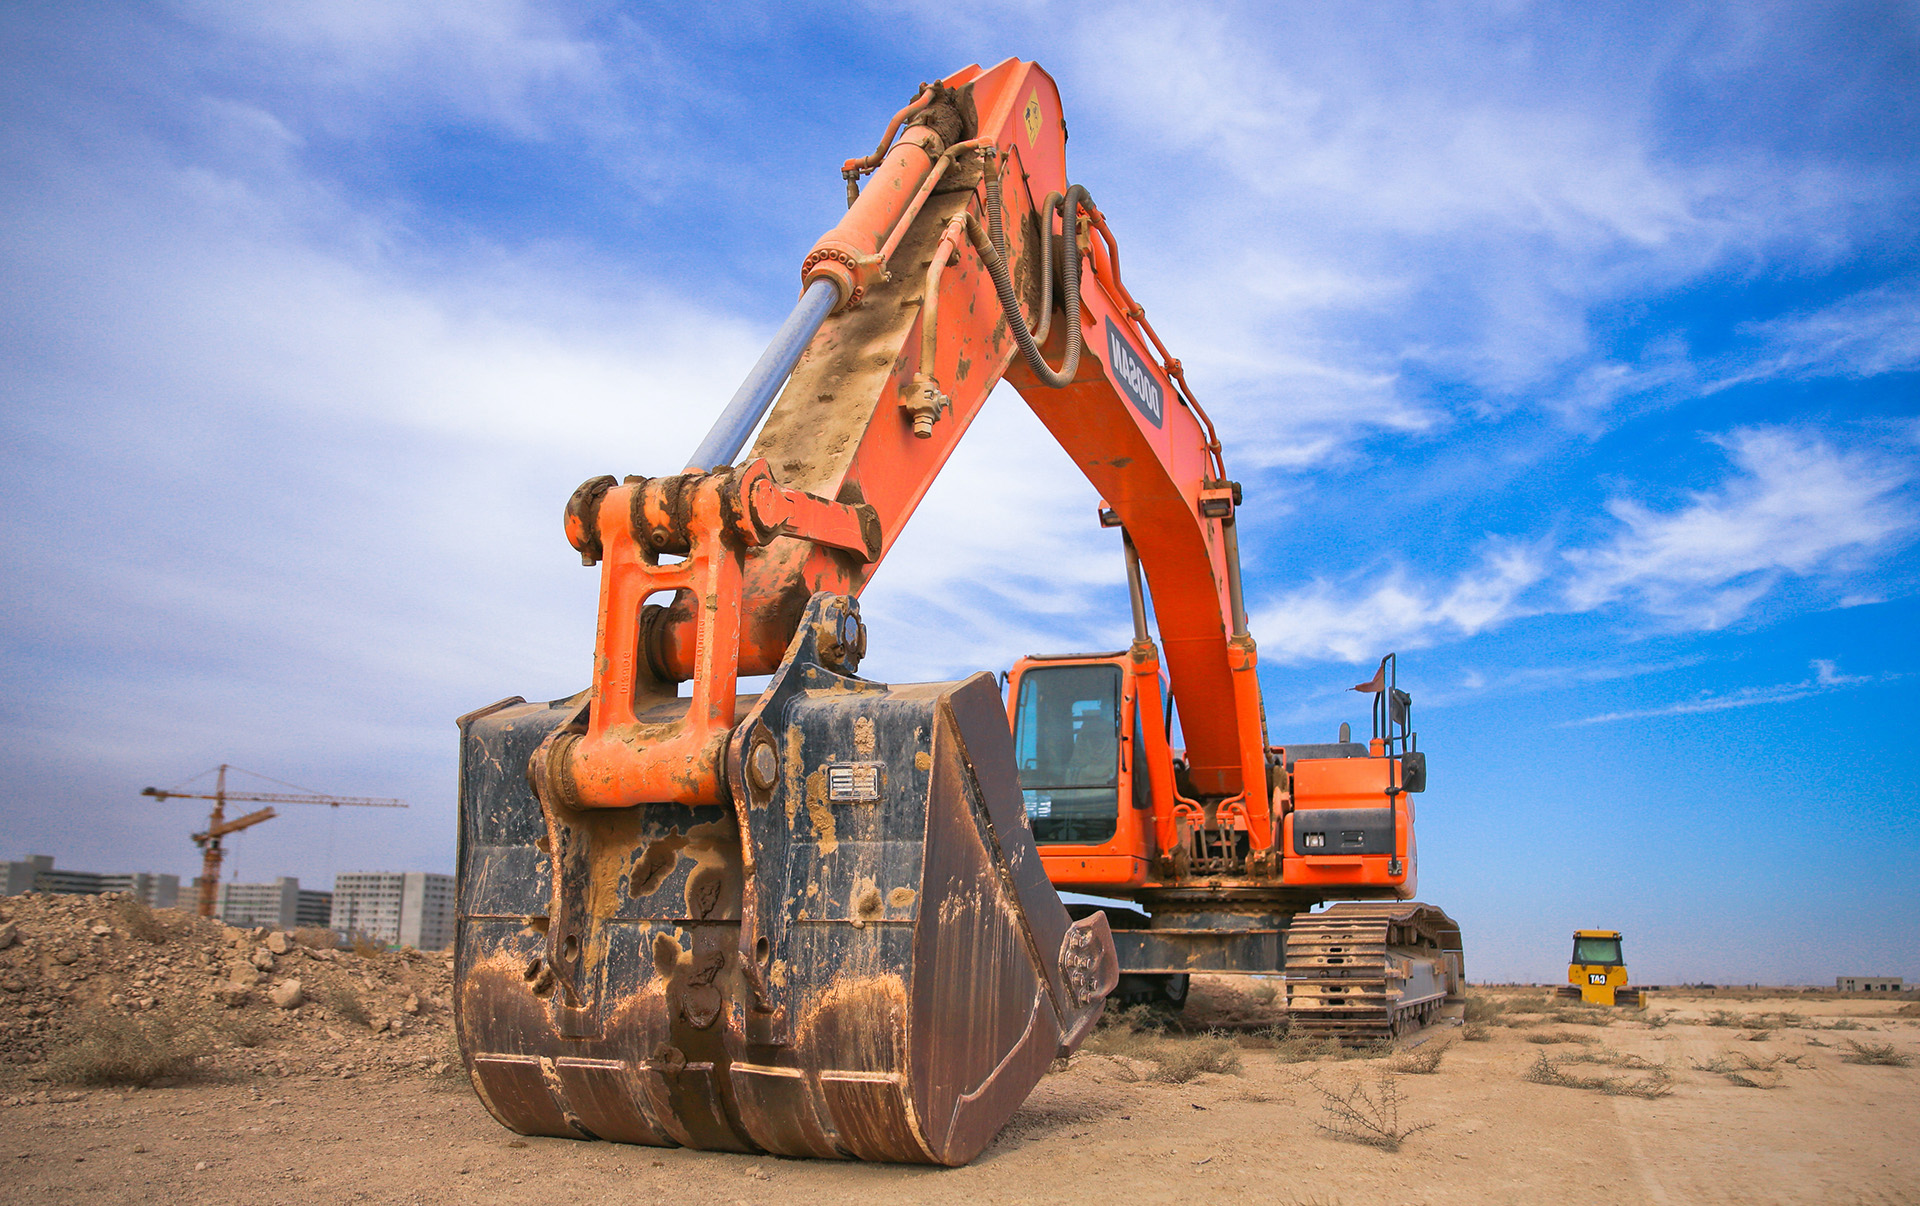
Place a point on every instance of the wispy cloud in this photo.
(1870, 333)
(1393, 612)
(1794, 505)
(1826, 678)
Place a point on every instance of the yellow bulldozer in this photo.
(1597, 973)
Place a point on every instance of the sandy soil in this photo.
(320, 1110)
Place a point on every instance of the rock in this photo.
(278, 942)
(287, 994)
(246, 975)
(233, 996)
(64, 957)
(9, 934)
(413, 1004)
(101, 931)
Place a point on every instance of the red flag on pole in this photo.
(1379, 682)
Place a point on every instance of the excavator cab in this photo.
(1078, 730)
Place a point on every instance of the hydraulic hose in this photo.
(996, 263)
(985, 240)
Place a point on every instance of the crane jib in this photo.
(1131, 374)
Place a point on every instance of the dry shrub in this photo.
(1180, 1060)
(1880, 1054)
(1740, 1061)
(1560, 1036)
(242, 1031)
(1483, 1009)
(114, 1049)
(1140, 1033)
(317, 938)
(1580, 1015)
(1421, 1061)
(1612, 1059)
(1656, 1082)
(1755, 1080)
(1304, 1048)
(1846, 1024)
(139, 919)
(344, 1002)
(1753, 1021)
(366, 947)
(1475, 1032)
(1366, 1115)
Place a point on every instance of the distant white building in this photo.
(401, 908)
(282, 905)
(36, 873)
(1869, 983)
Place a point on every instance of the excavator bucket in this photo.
(859, 957)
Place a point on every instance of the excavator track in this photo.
(1370, 970)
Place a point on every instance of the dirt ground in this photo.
(348, 1096)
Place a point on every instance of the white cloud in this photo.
(1795, 505)
(1325, 621)
(1873, 332)
(1826, 678)
(504, 62)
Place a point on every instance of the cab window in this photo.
(1601, 951)
(1067, 741)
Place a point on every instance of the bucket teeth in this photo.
(861, 957)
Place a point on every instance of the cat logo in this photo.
(1032, 115)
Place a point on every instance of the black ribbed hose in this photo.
(995, 258)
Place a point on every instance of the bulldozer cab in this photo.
(1597, 948)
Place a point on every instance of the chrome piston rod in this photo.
(764, 383)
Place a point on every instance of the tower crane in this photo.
(219, 826)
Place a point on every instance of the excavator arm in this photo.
(917, 333)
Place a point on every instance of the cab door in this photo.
(1076, 738)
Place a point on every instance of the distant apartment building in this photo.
(401, 908)
(1870, 983)
(313, 909)
(281, 905)
(36, 873)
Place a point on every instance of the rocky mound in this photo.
(104, 990)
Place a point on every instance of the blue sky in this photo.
(1573, 355)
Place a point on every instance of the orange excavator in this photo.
(822, 918)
